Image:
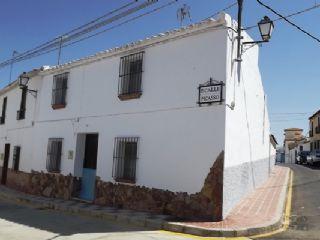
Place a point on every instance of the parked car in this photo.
(303, 157)
(314, 157)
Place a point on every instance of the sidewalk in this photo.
(260, 212)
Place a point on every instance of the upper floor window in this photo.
(4, 109)
(54, 152)
(22, 111)
(124, 159)
(59, 90)
(130, 76)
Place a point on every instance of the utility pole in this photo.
(60, 46)
(239, 37)
(62, 38)
(11, 65)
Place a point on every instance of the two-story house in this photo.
(169, 124)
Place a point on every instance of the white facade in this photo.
(179, 140)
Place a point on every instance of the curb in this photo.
(142, 219)
(276, 224)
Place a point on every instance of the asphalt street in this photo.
(305, 213)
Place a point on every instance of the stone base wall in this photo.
(43, 184)
(206, 204)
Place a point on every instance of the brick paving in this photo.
(260, 208)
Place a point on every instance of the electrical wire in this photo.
(289, 16)
(288, 21)
(108, 29)
(78, 28)
(222, 10)
(54, 43)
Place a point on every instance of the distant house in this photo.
(164, 125)
(314, 131)
(292, 137)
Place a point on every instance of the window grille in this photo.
(54, 154)
(16, 158)
(22, 111)
(59, 90)
(4, 109)
(125, 159)
(130, 75)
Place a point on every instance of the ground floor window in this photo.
(125, 157)
(16, 158)
(54, 151)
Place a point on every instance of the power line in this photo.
(50, 45)
(222, 10)
(289, 16)
(108, 29)
(55, 40)
(288, 21)
(291, 113)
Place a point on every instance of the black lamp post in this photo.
(23, 83)
(266, 27)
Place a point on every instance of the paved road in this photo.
(305, 214)
(19, 222)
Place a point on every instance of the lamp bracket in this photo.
(255, 42)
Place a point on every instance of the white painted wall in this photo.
(179, 140)
(248, 159)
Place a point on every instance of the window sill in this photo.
(128, 96)
(58, 106)
(125, 181)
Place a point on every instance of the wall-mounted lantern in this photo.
(23, 84)
(266, 27)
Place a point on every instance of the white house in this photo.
(125, 126)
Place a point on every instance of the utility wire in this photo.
(97, 24)
(289, 16)
(108, 29)
(55, 40)
(222, 10)
(288, 21)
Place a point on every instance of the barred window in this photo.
(59, 90)
(16, 158)
(125, 159)
(22, 111)
(4, 109)
(54, 154)
(130, 75)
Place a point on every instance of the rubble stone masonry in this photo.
(206, 204)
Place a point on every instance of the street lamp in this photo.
(23, 80)
(266, 27)
(23, 84)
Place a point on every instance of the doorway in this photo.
(89, 167)
(5, 164)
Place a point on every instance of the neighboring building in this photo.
(292, 137)
(314, 131)
(124, 127)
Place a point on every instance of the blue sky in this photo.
(289, 63)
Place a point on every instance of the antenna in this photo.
(183, 13)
